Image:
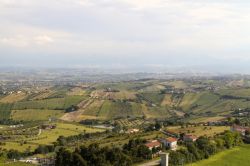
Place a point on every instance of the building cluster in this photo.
(170, 143)
(240, 129)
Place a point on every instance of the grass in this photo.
(76, 92)
(65, 129)
(199, 130)
(236, 92)
(5, 110)
(177, 84)
(137, 110)
(48, 136)
(41, 95)
(15, 164)
(116, 109)
(33, 114)
(124, 95)
(94, 108)
(233, 157)
(200, 100)
(17, 146)
(51, 104)
(206, 119)
(167, 101)
(153, 97)
(225, 106)
(13, 97)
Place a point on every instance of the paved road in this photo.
(151, 163)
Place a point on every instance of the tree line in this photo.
(133, 152)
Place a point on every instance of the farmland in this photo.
(54, 103)
(199, 130)
(28, 115)
(35, 114)
(47, 136)
(153, 99)
(5, 110)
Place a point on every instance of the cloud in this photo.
(43, 39)
(127, 29)
(18, 41)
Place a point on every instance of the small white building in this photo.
(170, 142)
(131, 131)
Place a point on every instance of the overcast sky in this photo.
(124, 33)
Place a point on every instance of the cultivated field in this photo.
(13, 97)
(33, 114)
(199, 130)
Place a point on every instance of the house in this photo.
(189, 138)
(240, 129)
(48, 127)
(170, 142)
(131, 131)
(153, 144)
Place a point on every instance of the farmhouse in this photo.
(170, 142)
(189, 138)
(240, 129)
(153, 144)
(47, 126)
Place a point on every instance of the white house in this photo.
(170, 142)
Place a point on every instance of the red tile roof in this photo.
(190, 136)
(171, 139)
(239, 128)
(153, 144)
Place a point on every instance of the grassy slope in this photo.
(199, 130)
(239, 156)
(55, 103)
(50, 136)
(153, 97)
(201, 100)
(236, 92)
(13, 98)
(111, 109)
(32, 114)
(5, 110)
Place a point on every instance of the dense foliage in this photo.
(132, 152)
(204, 147)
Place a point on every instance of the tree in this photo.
(77, 160)
(157, 126)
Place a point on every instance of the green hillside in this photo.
(233, 157)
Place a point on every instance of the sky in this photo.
(202, 34)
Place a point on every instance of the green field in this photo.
(198, 101)
(115, 109)
(153, 97)
(32, 114)
(236, 92)
(48, 136)
(65, 129)
(199, 130)
(239, 156)
(51, 104)
(5, 110)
